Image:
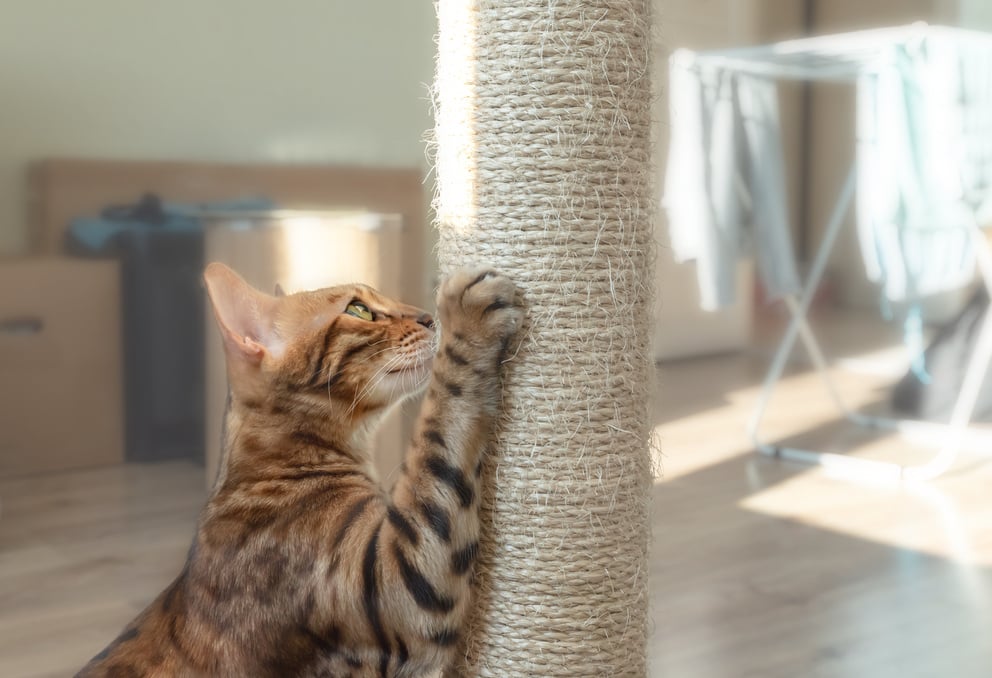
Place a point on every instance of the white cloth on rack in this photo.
(924, 156)
(724, 184)
(925, 161)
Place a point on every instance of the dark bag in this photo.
(162, 312)
(946, 360)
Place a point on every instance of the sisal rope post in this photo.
(544, 172)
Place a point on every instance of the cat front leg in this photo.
(429, 539)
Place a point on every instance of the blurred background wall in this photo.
(974, 13)
(316, 81)
(335, 83)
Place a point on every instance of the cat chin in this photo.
(408, 381)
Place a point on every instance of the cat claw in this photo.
(481, 305)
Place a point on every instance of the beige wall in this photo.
(683, 328)
(224, 80)
(975, 14)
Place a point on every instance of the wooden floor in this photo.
(759, 568)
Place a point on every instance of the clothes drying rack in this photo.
(843, 59)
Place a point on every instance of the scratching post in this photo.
(543, 167)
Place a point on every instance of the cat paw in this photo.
(481, 306)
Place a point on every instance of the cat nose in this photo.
(426, 320)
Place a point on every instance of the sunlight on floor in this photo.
(705, 437)
(941, 518)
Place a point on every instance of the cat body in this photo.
(302, 564)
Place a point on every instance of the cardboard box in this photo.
(60, 364)
(61, 189)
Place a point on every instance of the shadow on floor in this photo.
(737, 592)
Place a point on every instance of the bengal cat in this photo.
(302, 564)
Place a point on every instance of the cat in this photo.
(302, 564)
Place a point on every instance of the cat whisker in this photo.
(369, 388)
(385, 350)
(374, 381)
(327, 381)
(416, 381)
(381, 341)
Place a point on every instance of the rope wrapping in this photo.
(543, 115)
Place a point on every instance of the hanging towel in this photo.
(724, 184)
(925, 161)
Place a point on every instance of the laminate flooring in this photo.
(758, 568)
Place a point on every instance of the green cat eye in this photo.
(359, 310)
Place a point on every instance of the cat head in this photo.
(346, 349)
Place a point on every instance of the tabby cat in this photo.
(302, 565)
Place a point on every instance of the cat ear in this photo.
(244, 315)
(280, 292)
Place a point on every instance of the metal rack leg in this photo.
(952, 435)
(798, 310)
(974, 377)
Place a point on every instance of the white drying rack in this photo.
(845, 58)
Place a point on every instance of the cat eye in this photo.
(359, 310)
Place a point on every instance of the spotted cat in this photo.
(302, 564)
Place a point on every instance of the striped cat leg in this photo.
(427, 543)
